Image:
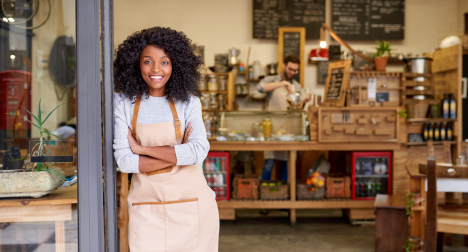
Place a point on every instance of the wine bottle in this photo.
(445, 107)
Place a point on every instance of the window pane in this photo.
(38, 66)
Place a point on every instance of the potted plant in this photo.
(382, 54)
(37, 179)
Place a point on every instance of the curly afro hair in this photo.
(185, 64)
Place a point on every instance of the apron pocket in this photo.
(147, 232)
(182, 225)
(172, 225)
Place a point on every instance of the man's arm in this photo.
(274, 85)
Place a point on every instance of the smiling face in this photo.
(156, 69)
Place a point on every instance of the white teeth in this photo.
(156, 77)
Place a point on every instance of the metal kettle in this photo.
(233, 53)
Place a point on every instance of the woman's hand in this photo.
(187, 133)
(134, 145)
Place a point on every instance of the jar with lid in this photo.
(244, 89)
(221, 102)
(222, 83)
(213, 101)
(205, 101)
(212, 83)
(267, 127)
(238, 89)
(203, 83)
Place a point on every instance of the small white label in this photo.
(371, 87)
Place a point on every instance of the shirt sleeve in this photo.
(195, 151)
(126, 160)
(261, 84)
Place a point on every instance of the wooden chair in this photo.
(444, 221)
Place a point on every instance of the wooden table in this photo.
(56, 207)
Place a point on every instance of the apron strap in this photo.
(174, 115)
(135, 116)
(176, 119)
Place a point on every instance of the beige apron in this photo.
(277, 102)
(172, 209)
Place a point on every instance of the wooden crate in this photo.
(276, 192)
(357, 124)
(245, 187)
(304, 194)
(338, 187)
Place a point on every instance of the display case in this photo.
(216, 171)
(371, 174)
(262, 126)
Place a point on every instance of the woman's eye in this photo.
(147, 62)
(165, 63)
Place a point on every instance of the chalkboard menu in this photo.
(337, 83)
(291, 40)
(336, 80)
(369, 19)
(268, 15)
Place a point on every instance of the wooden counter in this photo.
(300, 146)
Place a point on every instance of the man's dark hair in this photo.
(291, 58)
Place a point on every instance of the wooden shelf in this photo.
(216, 92)
(390, 88)
(299, 204)
(420, 120)
(412, 83)
(425, 143)
(416, 75)
(242, 73)
(420, 92)
(217, 74)
(215, 110)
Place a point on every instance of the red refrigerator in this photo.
(216, 171)
(371, 174)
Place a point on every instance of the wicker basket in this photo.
(418, 110)
(276, 192)
(304, 194)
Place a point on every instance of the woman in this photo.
(171, 207)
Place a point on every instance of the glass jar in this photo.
(221, 102)
(205, 101)
(244, 89)
(202, 83)
(267, 127)
(214, 101)
(212, 84)
(238, 89)
(222, 83)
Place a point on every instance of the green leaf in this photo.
(51, 113)
(44, 169)
(37, 119)
(40, 113)
(34, 124)
(50, 134)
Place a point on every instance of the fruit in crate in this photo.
(264, 184)
(315, 179)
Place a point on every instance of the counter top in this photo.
(299, 146)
